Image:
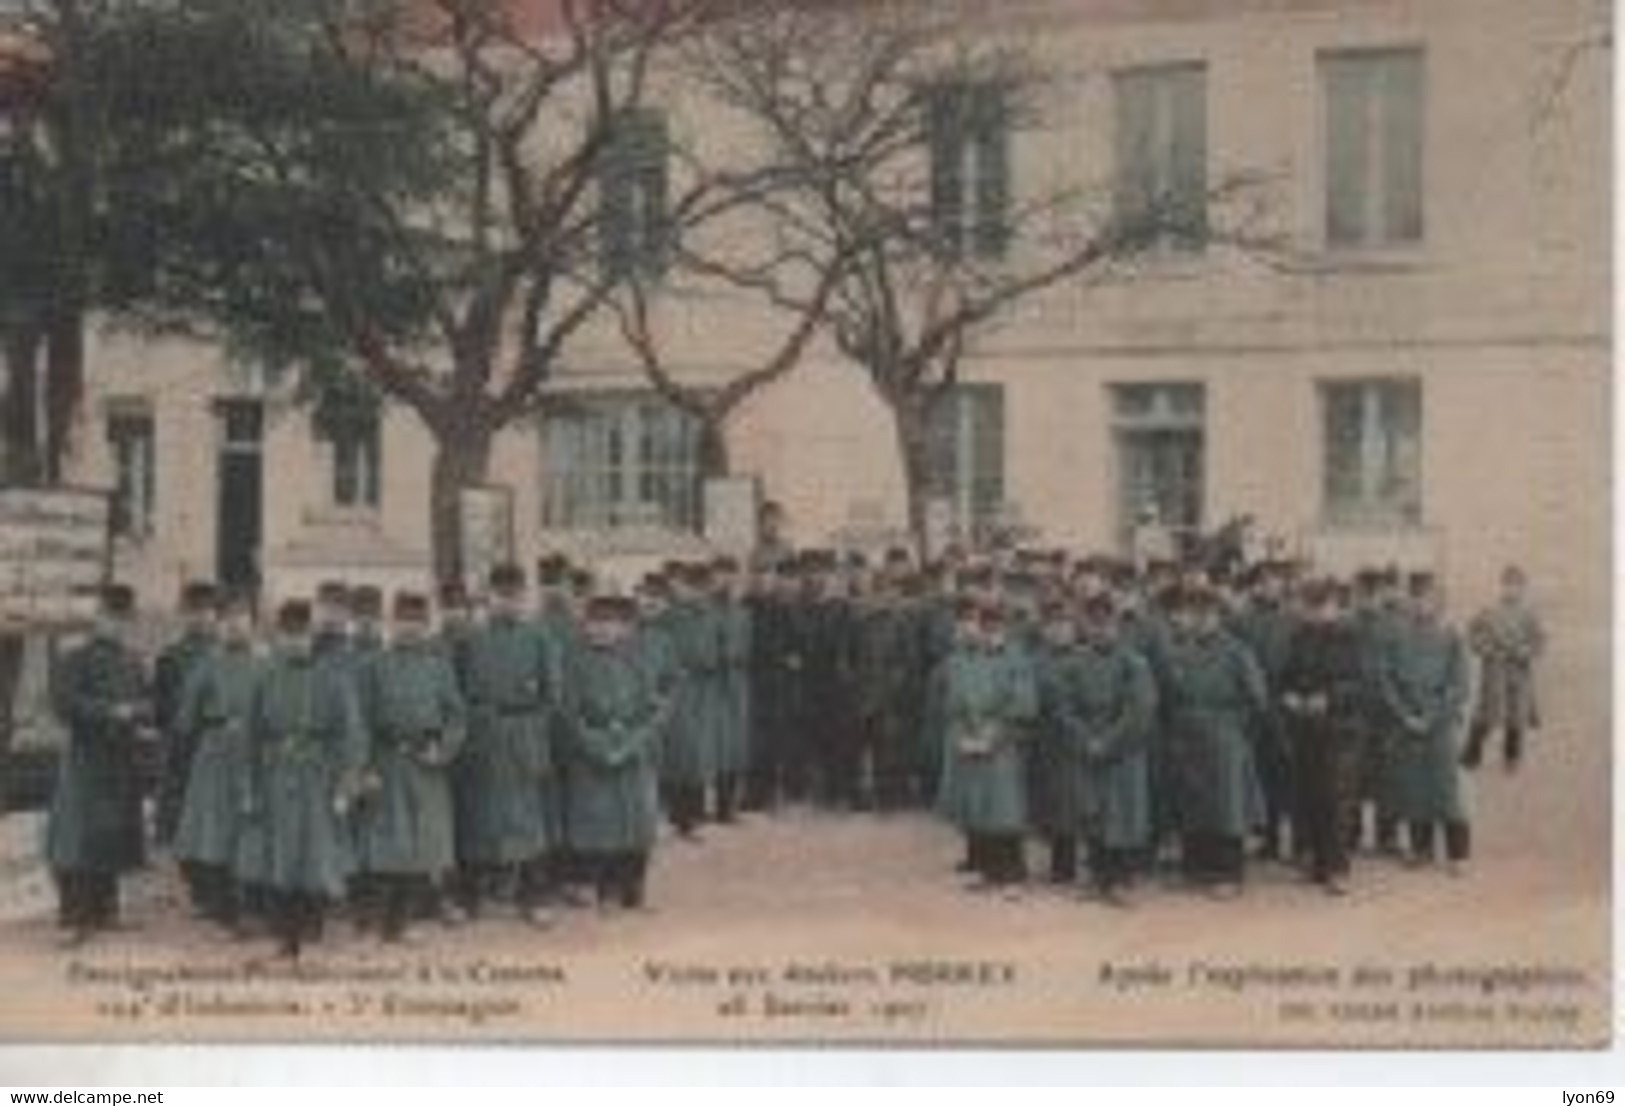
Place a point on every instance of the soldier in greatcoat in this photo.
(1113, 699)
(212, 836)
(94, 831)
(1508, 640)
(416, 718)
(512, 698)
(988, 701)
(309, 749)
(1214, 694)
(558, 620)
(689, 764)
(733, 744)
(170, 672)
(1424, 686)
(1320, 692)
(616, 713)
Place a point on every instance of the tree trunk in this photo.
(461, 461)
(914, 452)
(20, 423)
(713, 458)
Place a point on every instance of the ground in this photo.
(805, 926)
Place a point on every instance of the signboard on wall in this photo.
(732, 513)
(486, 525)
(54, 555)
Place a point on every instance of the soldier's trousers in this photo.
(1511, 748)
(1063, 858)
(998, 857)
(297, 919)
(399, 895)
(1327, 800)
(86, 900)
(620, 877)
(685, 806)
(1214, 857)
(1458, 840)
(213, 891)
(1372, 759)
(1110, 868)
(1275, 771)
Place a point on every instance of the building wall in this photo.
(1501, 311)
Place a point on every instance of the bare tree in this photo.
(893, 121)
(414, 200)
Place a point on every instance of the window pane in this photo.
(1402, 147)
(1347, 148)
(1373, 454)
(1188, 94)
(1136, 159)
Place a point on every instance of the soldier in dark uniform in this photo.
(309, 752)
(415, 716)
(733, 745)
(457, 627)
(94, 831)
(1375, 618)
(616, 713)
(825, 643)
(773, 685)
(1321, 692)
(331, 621)
(1055, 772)
(1265, 626)
(174, 665)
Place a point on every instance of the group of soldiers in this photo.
(522, 746)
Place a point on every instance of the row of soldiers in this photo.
(521, 749)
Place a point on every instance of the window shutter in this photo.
(944, 133)
(1347, 152)
(1402, 147)
(615, 203)
(1188, 95)
(1136, 178)
(992, 129)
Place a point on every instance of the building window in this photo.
(1162, 153)
(966, 434)
(1373, 453)
(357, 465)
(633, 196)
(968, 128)
(1160, 431)
(1374, 111)
(620, 462)
(132, 438)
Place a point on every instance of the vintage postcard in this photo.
(1050, 523)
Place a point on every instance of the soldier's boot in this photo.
(727, 798)
(634, 875)
(1063, 859)
(1473, 754)
(1422, 844)
(1387, 833)
(1458, 844)
(1513, 751)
